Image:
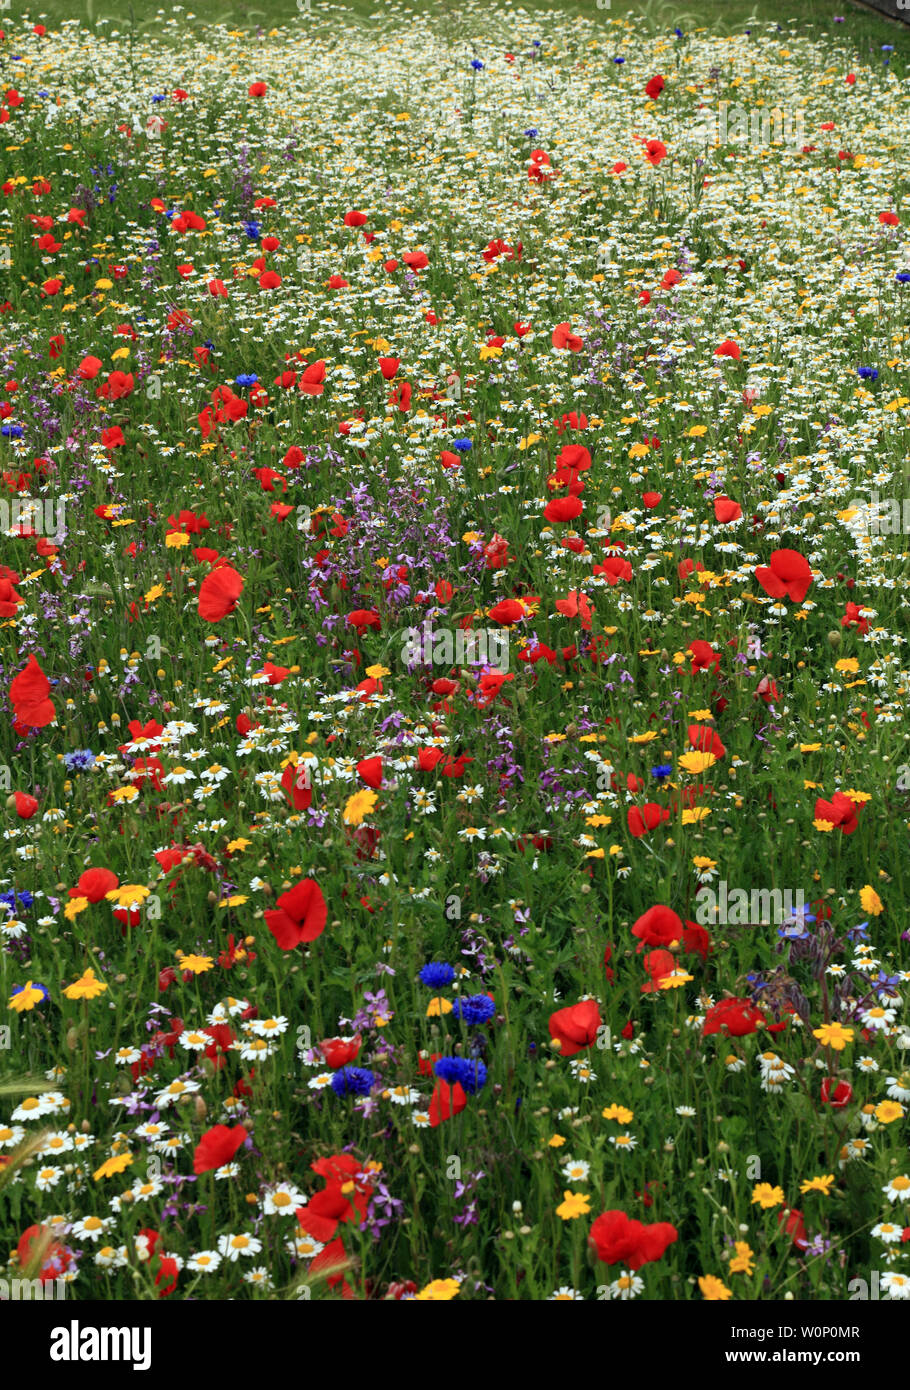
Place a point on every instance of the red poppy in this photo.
(654, 88)
(370, 771)
(257, 89)
(705, 740)
(37, 1243)
(728, 348)
(563, 338)
(295, 783)
(563, 509)
(312, 379)
(354, 218)
(219, 592)
(617, 1239)
(840, 812)
(836, 1093)
(26, 805)
(658, 964)
(575, 1027)
(734, 1017)
(648, 817)
(726, 510)
(446, 1101)
(655, 151)
(507, 612)
(659, 926)
(217, 1147)
(340, 1052)
(95, 884)
(787, 572)
(28, 695)
(300, 915)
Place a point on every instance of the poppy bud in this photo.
(834, 638)
(200, 1108)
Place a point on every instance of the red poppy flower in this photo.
(295, 783)
(705, 740)
(659, 926)
(787, 572)
(658, 964)
(340, 1052)
(257, 89)
(575, 1027)
(836, 1093)
(370, 771)
(26, 805)
(28, 695)
(840, 811)
(726, 510)
(654, 88)
(655, 151)
(312, 379)
(648, 817)
(617, 1239)
(447, 1100)
(563, 338)
(507, 612)
(217, 1147)
(728, 348)
(219, 592)
(300, 915)
(95, 884)
(734, 1017)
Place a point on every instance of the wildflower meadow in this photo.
(454, 511)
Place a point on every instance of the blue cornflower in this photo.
(463, 445)
(437, 973)
(661, 771)
(79, 760)
(161, 97)
(678, 33)
(867, 373)
(475, 1009)
(537, 43)
(477, 65)
(9, 899)
(353, 1081)
(252, 230)
(903, 277)
(246, 379)
(11, 431)
(619, 60)
(533, 133)
(469, 1073)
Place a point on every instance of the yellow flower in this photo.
(809, 747)
(575, 1204)
(822, 1184)
(714, 1289)
(86, 987)
(639, 451)
(74, 907)
(128, 894)
(556, 1142)
(767, 1196)
(359, 806)
(110, 1166)
(847, 663)
(870, 901)
(888, 1111)
(742, 1262)
(26, 998)
(618, 1112)
(176, 540)
(236, 845)
(197, 965)
(439, 1006)
(697, 762)
(439, 1291)
(833, 1035)
(697, 431)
